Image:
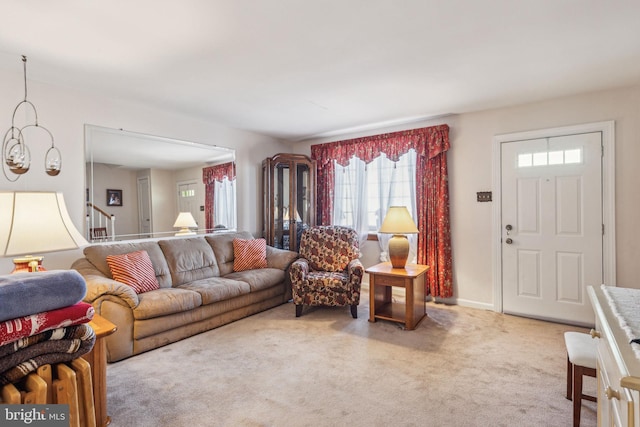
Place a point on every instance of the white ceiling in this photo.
(298, 69)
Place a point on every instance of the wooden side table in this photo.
(97, 358)
(382, 278)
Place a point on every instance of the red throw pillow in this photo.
(134, 269)
(249, 254)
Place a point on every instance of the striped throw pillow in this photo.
(249, 254)
(134, 269)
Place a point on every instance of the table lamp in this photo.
(35, 222)
(398, 222)
(185, 221)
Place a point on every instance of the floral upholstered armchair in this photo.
(328, 271)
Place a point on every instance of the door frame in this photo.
(607, 128)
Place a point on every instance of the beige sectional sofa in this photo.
(198, 289)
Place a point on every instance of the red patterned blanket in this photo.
(14, 329)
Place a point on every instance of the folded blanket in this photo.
(60, 345)
(23, 294)
(14, 329)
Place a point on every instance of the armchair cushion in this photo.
(329, 248)
(327, 280)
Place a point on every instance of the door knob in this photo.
(509, 241)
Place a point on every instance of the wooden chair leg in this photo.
(569, 378)
(354, 311)
(589, 372)
(298, 310)
(577, 394)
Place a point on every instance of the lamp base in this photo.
(28, 263)
(185, 232)
(398, 250)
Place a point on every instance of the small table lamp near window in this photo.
(398, 222)
(185, 221)
(33, 222)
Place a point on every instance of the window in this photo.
(544, 158)
(364, 192)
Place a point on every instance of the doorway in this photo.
(144, 207)
(188, 200)
(554, 222)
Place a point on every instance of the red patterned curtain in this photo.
(432, 190)
(209, 176)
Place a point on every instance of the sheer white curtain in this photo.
(396, 187)
(224, 203)
(350, 206)
(363, 193)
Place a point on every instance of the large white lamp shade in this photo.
(185, 222)
(36, 222)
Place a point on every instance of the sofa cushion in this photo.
(222, 245)
(134, 269)
(166, 301)
(97, 255)
(259, 279)
(249, 254)
(217, 289)
(189, 259)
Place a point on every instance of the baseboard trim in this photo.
(463, 302)
(399, 293)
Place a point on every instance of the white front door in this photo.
(188, 199)
(552, 226)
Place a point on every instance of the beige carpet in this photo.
(460, 367)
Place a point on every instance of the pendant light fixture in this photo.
(16, 155)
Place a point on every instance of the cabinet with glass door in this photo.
(289, 199)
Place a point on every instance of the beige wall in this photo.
(470, 167)
(110, 177)
(65, 111)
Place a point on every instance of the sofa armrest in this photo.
(98, 285)
(280, 258)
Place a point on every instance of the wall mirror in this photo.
(137, 184)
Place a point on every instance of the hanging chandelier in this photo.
(16, 155)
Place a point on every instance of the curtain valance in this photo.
(219, 172)
(428, 142)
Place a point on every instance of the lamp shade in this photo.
(185, 221)
(398, 221)
(36, 222)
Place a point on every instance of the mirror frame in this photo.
(107, 146)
